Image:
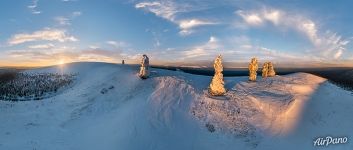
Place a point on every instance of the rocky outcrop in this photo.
(217, 85)
(123, 62)
(144, 69)
(268, 70)
(265, 70)
(252, 69)
(271, 71)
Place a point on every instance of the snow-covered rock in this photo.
(252, 69)
(268, 70)
(144, 69)
(271, 70)
(217, 84)
(264, 70)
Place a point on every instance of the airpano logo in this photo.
(328, 140)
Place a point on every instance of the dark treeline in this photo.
(340, 76)
(227, 72)
(7, 76)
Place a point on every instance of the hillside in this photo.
(172, 110)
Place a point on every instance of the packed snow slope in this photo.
(108, 108)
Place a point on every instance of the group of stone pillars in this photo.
(267, 70)
(216, 87)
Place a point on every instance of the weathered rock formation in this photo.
(271, 71)
(252, 69)
(265, 70)
(268, 70)
(217, 85)
(144, 69)
(123, 62)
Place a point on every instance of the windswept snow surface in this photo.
(109, 107)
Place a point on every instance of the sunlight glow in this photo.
(284, 120)
(61, 62)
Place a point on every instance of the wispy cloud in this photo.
(41, 46)
(33, 7)
(46, 34)
(76, 13)
(93, 47)
(277, 55)
(64, 21)
(68, 54)
(250, 18)
(117, 44)
(170, 11)
(166, 9)
(187, 25)
(211, 47)
(338, 54)
(327, 43)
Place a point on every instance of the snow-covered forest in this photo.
(34, 86)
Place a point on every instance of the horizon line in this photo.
(282, 65)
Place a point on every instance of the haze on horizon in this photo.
(176, 32)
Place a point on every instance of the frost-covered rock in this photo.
(252, 69)
(217, 85)
(268, 70)
(265, 70)
(271, 71)
(144, 69)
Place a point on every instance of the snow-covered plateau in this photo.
(108, 107)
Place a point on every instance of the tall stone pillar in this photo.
(217, 84)
(252, 69)
(144, 69)
(271, 71)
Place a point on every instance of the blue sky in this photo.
(178, 32)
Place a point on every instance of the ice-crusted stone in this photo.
(271, 71)
(265, 70)
(268, 70)
(252, 69)
(217, 85)
(144, 69)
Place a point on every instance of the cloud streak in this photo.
(170, 11)
(33, 7)
(65, 21)
(327, 44)
(41, 46)
(187, 25)
(116, 44)
(46, 34)
(67, 54)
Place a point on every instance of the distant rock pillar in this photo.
(271, 71)
(123, 62)
(217, 84)
(265, 70)
(252, 69)
(144, 69)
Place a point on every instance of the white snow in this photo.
(170, 110)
